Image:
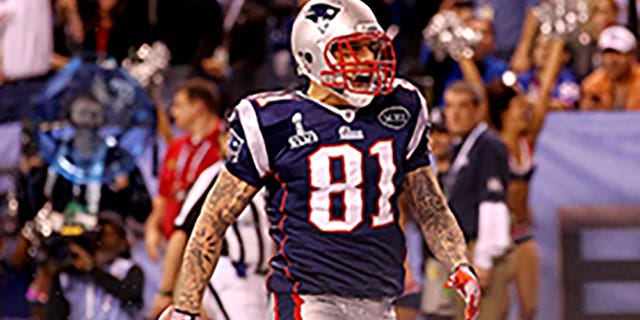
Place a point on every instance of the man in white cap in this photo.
(616, 85)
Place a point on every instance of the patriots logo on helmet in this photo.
(322, 14)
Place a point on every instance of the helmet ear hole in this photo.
(308, 57)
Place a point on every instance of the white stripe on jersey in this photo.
(423, 117)
(255, 141)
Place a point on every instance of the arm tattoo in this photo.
(429, 208)
(226, 200)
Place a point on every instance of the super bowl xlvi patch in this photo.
(395, 117)
(234, 146)
(494, 185)
(302, 137)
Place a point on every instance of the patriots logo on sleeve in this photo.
(322, 14)
(234, 146)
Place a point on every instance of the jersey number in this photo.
(326, 186)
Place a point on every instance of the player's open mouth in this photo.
(361, 80)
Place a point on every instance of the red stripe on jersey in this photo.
(285, 194)
(295, 287)
(297, 313)
(284, 197)
(286, 259)
(286, 236)
(275, 307)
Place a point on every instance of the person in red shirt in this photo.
(196, 109)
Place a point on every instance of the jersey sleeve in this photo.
(247, 157)
(418, 152)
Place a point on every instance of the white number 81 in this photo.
(324, 186)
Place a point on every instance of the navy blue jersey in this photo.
(333, 177)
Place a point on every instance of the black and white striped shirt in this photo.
(247, 241)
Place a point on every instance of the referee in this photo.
(236, 289)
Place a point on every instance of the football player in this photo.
(334, 160)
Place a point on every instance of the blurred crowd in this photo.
(222, 50)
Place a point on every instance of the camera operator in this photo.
(97, 280)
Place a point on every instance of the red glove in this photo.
(464, 281)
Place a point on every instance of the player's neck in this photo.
(202, 126)
(324, 95)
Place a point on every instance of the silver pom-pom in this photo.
(148, 63)
(562, 18)
(446, 35)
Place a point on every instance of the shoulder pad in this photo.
(265, 99)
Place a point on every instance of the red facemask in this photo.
(361, 63)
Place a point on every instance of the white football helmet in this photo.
(327, 41)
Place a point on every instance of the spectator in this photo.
(476, 186)
(604, 14)
(566, 91)
(26, 50)
(68, 31)
(99, 283)
(195, 109)
(615, 86)
(113, 27)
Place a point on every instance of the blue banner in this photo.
(585, 159)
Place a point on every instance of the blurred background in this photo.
(109, 110)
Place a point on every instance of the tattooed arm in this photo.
(226, 200)
(430, 210)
